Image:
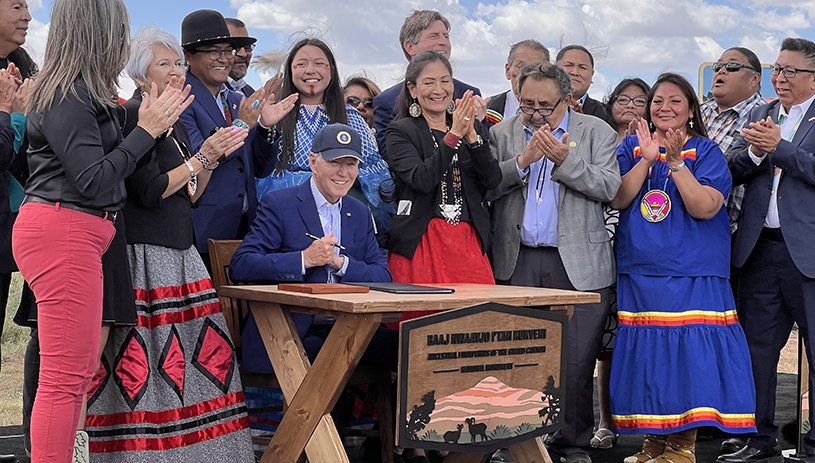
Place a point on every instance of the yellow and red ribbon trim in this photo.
(691, 416)
(689, 317)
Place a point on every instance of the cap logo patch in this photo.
(344, 137)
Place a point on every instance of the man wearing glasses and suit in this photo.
(559, 167)
(773, 243)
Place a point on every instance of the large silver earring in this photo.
(451, 108)
(651, 126)
(690, 123)
(415, 110)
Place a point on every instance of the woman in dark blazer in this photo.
(442, 169)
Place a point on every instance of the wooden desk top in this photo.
(466, 295)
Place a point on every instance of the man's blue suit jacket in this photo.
(271, 252)
(385, 105)
(218, 214)
(796, 191)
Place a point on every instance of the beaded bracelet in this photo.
(451, 140)
(205, 162)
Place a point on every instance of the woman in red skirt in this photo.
(442, 169)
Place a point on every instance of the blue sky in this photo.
(629, 37)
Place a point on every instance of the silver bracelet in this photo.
(189, 166)
(679, 167)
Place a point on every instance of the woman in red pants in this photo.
(78, 160)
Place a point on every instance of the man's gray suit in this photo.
(588, 178)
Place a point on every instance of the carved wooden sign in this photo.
(480, 378)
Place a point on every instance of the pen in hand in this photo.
(318, 238)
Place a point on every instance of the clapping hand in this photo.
(272, 113)
(649, 143)
(481, 106)
(249, 110)
(632, 127)
(763, 136)
(223, 143)
(463, 117)
(533, 151)
(8, 87)
(158, 113)
(674, 141)
(577, 105)
(554, 150)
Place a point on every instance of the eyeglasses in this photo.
(789, 72)
(248, 48)
(542, 111)
(731, 67)
(355, 101)
(165, 64)
(215, 55)
(623, 100)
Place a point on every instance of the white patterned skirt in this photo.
(168, 389)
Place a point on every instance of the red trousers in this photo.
(59, 253)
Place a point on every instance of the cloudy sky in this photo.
(629, 37)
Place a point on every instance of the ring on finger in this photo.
(466, 118)
(255, 104)
(167, 113)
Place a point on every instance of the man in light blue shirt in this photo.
(313, 233)
(559, 167)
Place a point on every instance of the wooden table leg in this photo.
(531, 451)
(307, 424)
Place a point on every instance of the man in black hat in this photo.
(228, 207)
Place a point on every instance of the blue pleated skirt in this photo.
(681, 359)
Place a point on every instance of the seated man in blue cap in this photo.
(281, 246)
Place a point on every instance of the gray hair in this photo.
(87, 39)
(141, 50)
(541, 71)
(414, 24)
(528, 43)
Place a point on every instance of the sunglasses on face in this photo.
(731, 67)
(355, 101)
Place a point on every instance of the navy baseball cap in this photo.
(337, 141)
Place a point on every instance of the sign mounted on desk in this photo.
(480, 378)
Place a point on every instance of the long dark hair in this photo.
(698, 129)
(333, 99)
(414, 69)
(608, 105)
(24, 63)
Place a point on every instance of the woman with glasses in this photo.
(680, 352)
(360, 92)
(311, 72)
(176, 305)
(78, 158)
(625, 105)
(442, 168)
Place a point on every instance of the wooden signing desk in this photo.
(311, 391)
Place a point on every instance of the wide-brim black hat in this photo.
(205, 27)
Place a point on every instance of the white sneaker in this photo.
(81, 447)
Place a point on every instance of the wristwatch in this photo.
(679, 167)
(477, 143)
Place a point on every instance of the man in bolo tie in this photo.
(773, 244)
(559, 167)
(228, 207)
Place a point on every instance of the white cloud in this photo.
(36, 39)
